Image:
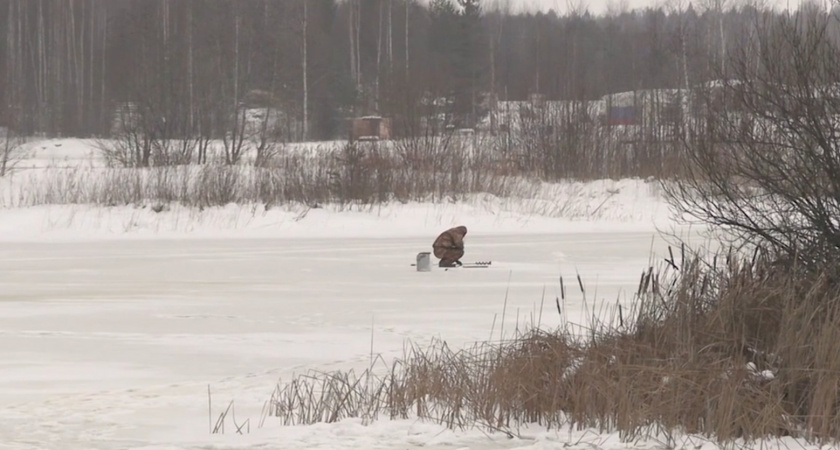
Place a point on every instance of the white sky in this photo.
(600, 6)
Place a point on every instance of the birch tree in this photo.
(304, 61)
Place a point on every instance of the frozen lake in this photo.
(113, 344)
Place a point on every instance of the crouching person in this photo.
(449, 246)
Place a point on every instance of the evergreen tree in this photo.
(469, 61)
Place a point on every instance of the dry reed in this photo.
(727, 348)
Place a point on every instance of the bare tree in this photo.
(765, 160)
(235, 138)
(11, 151)
(408, 5)
(131, 143)
(304, 60)
(11, 93)
(262, 141)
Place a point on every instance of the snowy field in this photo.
(113, 344)
(114, 322)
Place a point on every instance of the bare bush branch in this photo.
(12, 151)
(765, 161)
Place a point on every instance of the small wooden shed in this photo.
(370, 128)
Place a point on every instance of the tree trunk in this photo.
(390, 35)
(305, 81)
(190, 66)
(102, 112)
(378, 57)
(493, 112)
(351, 24)
(358, 45)
(236, 64)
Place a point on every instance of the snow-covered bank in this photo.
(407, 434)
(600, 206)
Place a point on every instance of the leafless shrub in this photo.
(765, 161)
(145, 136)
(450, 164)
(132, 144)
(174, 152)
(11, 150)
(364, 174)
(575, 139)
(235, 137)
(263, 138)
(251, 131)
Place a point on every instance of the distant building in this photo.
(621, 115)
(370, 128)
(518, 116)
(649, 107)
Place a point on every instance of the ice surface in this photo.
(112, 344)
(114, 321)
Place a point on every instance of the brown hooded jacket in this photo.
(449, 246)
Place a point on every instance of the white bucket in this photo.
(424, 262)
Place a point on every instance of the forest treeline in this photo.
(68, 66)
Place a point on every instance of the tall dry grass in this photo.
(436, 168)
(733, 349)
(364, 173)
(571, 139)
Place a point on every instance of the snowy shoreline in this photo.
(600, 206)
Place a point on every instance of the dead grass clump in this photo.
(353, 174)
(774, 330)
(740, 350)
(328, 397)
(728, 348)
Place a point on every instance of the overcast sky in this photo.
(600, 6)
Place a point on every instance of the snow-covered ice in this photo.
(115, 321)
(112, 344)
